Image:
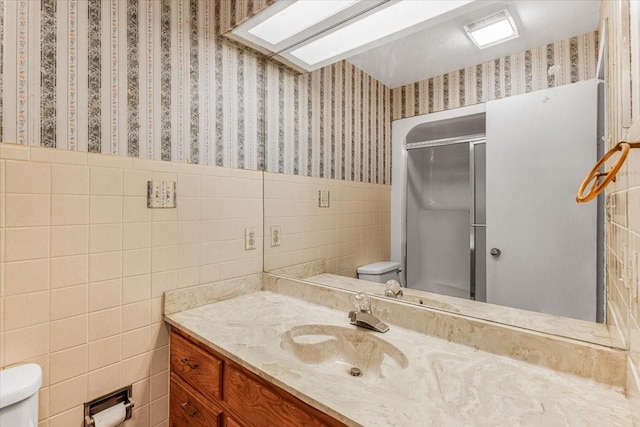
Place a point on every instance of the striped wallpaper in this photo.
(144, 78)
(232, 13)
(559, 63)
(331, 123)
(150, 79)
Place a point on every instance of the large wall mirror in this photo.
(385, 158)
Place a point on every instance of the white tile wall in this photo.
(354, 230)
(623, 226)
(84, 263)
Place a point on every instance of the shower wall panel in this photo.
(438, 206)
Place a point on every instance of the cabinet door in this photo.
(539, 148)
(186, 409)
(263, 406)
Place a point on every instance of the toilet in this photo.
(379, 271)
(19, 395)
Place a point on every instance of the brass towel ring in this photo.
(594, 175)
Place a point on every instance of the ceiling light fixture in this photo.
(297, 17)
(386, 21)
(492, 30)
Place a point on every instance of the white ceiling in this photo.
(445, 47)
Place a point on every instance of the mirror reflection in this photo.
(459, 183)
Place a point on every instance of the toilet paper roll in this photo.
(110, 417)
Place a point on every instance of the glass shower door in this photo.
(478, 217)
(437, 228)
(445, 214)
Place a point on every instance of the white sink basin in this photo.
(338, 349)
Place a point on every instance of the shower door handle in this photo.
(495, 252)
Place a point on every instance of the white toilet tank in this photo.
(19, 395)
(379, 271)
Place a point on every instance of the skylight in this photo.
(298, 17)
(385, 22)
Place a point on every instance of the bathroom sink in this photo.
(339, 349)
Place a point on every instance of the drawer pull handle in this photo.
(191, 413)
(191, 365)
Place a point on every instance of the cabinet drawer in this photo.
(260, 405)
(230, 422)
(186, 409)
(196, 367)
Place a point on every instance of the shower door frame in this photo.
(472, 140)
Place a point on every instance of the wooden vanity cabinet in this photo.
(188, 409)
(230, 422)
(207, 389)
(198, 368)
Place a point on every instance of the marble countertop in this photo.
(443, 384)
(597, 333)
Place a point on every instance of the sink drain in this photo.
(355, 372)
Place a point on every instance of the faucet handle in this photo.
(363, 302)
(392, 285)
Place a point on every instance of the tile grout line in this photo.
(88, 260)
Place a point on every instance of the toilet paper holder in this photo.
(122, 395)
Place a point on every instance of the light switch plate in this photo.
(249, 239)
(275, 235)
(323, 198)
(161, 194)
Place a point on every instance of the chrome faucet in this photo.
(392, 289)
(363, 317)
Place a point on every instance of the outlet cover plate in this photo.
(161, 194)
(323, 198)
(249, 239)
(275, 235)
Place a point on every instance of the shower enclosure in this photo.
(445, 208)
(483, 202)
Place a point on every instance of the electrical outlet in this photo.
(627, 266)
(275, 235)
(249, 239)
(323, 198)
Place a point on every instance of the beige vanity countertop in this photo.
(444, 383)
(597, 333)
